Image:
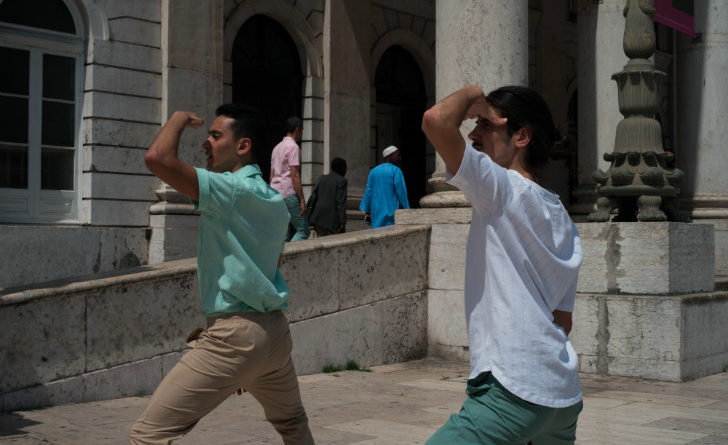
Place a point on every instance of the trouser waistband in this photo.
(245, 315)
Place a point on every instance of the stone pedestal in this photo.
(174, 225)
(664, 337)
(645, 306)
(447, 334)
(646, 258)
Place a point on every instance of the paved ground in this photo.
(403, 404)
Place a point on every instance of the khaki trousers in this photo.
(248, 350)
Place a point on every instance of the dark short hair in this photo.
(247, 122)
(525, 108)
(292, 123)
(339, 166)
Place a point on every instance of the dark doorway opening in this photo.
(400, 103)
(267, 75)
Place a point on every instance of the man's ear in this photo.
(244, 146)
(522, 137)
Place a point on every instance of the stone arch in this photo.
(417, 171)
(422, 53)
(94, 18)
(298, 28)
(287, 16)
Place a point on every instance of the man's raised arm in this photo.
(161, 158)
(441, 123)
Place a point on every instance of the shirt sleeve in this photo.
(567, 303)
(341, 201)
(365, 205)
(294, 155)
(485, 183)
(400, 189)
(217, 191)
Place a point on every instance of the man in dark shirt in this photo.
(327, 211)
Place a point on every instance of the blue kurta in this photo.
(385, 193)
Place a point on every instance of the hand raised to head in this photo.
(479, 108)
(194, 121)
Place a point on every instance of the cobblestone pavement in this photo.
(402, 404)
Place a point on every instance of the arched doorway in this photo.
(400, 103)
(267, 75)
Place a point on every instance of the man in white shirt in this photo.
(522, 262)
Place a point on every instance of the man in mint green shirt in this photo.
(247, 344)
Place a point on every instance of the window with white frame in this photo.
(41, 86)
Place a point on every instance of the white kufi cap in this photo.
(388, 151)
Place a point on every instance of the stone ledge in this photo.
(65, 331)
(445, 215)
(664, 337)
(350, 238)
(15, 295)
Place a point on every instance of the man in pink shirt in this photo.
(285, 177)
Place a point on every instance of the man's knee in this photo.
(144, 434)
(293, 429)
(139, 436)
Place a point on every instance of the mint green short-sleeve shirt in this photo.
(242, 233)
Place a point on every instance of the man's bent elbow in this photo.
(430, 120)
(152, 160)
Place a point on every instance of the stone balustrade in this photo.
(357, 296)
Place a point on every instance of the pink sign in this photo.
(677, 14)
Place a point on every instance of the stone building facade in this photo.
(103, 75)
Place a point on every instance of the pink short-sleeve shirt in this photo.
(285, 155)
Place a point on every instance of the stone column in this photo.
(702, 133)
(191, 80)
(485, 44)
(600, 27)
(480, 43)
(347, 95)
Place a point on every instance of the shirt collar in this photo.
(249, 170)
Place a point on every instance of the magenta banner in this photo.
(677, 14)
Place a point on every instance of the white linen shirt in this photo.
(522, 262)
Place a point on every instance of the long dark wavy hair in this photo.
(525, 108)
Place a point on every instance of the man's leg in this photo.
(277, 389)
(562, 430)
(493, 416)
(322, 231)
(299, 228)
(224, 358)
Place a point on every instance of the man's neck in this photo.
(519, 165)
(242, 164)
(524, 172)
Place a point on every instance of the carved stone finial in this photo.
(641, 181)
(639, 30)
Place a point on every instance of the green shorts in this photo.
(491, 415)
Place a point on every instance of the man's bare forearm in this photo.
(441, 124)
(297, 187)
(162, 160)
(166, 143)
(452, 110)
(563, 319)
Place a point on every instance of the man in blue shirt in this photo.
(386, 191)
(247, 344)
